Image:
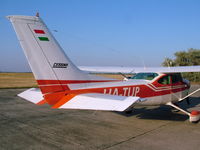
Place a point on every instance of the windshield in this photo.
(145, 76)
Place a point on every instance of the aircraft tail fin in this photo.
(51, 67)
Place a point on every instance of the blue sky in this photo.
(106, 32)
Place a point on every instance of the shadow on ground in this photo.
(163, 112)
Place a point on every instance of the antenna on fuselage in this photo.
(143, 63)
(37, 14)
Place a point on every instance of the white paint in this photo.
(114, 69)
(126, 91)
(33, 95)
(42, 55)
(100, 102)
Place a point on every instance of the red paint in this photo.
(195, 113)
(143, 91)
(149, 90)
(53, 88)
(53, 98)
(41, 102)
(58, 90)
(63, 100)
(39, 31)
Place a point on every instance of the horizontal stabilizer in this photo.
(96, 101)
(93, 101)
(33, 95)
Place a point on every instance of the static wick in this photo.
(37, 14)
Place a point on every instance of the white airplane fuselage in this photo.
(160, 90)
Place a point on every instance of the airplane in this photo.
(64, 85)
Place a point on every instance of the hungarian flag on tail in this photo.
(41, 32)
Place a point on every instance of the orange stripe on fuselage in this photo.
(64, 100)
(42, 102)
(53, 98)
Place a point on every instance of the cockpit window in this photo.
(176, 78)
(145, 76)
(165, 80)
(171, 79)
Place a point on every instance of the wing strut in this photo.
(189, 95)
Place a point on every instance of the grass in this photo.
(27, 80)
(114, 76)
(17, 80)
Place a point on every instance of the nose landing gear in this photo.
(194, 116)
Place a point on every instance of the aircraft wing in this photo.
(131, 70)
(92, 101)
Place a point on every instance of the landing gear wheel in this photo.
(128, 111)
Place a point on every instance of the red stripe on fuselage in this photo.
(53, 88)
(143, 91)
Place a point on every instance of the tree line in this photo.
(191, 57)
